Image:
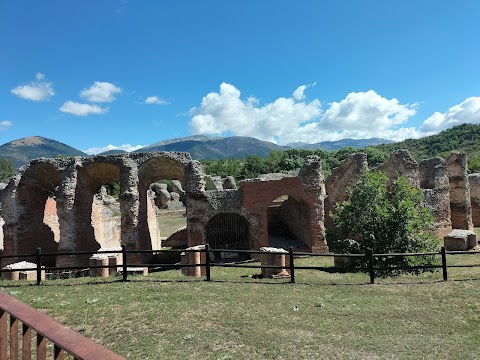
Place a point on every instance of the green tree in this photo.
(7, 170)
(386, 220)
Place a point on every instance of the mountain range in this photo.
(200, 147)
(465, 137)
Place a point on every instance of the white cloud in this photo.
(4, 125)
(298, 94)
(286, 120)
(154, 100)
(125, 147)
(100, 92)
(227, 112)
(466, 112)
(38, 90)
(79, 109)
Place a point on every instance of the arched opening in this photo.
(36, 196)
(228, 231)
(160, 189)
(97, 213)
(288, 223)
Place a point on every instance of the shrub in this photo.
(386, 220)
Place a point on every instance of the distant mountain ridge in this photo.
(201, 147)
(465, 137)
(23, 150)
(338, 144)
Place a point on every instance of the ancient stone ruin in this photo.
(474, 184)
(459, 188)
(61, 205)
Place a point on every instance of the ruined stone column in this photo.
(195, 197)
(460, 205)
(311, 175)
(66, 213)
(129, 207)
(474, 183)
(435, 187)
(11, 212)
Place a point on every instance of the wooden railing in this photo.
(46, 329)
(370, 267)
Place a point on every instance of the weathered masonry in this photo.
(51, 203)
(59, 205)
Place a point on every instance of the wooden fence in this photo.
(369, 256)
(46, 329)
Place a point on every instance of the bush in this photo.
(386, 220)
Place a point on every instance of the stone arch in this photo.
(228, 231)
(36, 192)
(152, 169)
(91, 176)
(305, 204)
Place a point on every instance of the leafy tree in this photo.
(474, 162)
(386, 220)
(113, 189)
(7, 170)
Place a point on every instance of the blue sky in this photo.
(132, 73)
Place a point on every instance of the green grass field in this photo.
(238, 316)
(168, 316)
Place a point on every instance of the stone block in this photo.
(99, 260)
(460, 240)
(20, 273)
(30, 275)
(273, 257)
(193, 258)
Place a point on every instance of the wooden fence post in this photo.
(124, 263)
(444, 263)
(207, 262)
(292, 266)
(369, 255)
(39, 265)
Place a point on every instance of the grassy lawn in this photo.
(238, 316)
(171, 223)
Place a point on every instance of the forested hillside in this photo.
(464, 138)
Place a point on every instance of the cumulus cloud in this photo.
(154, 100)
(38, 90)
(125, 147)
(226, 112)
(286, 120)
(4, 125)
(466, 112)
(79, 109)
(100, 92)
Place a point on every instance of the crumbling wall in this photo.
(474, 184)
(106, 220)
(401, 163)
(460, 205)
(296, 215)
(434, 183)
(28, 208)
(338, 182)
